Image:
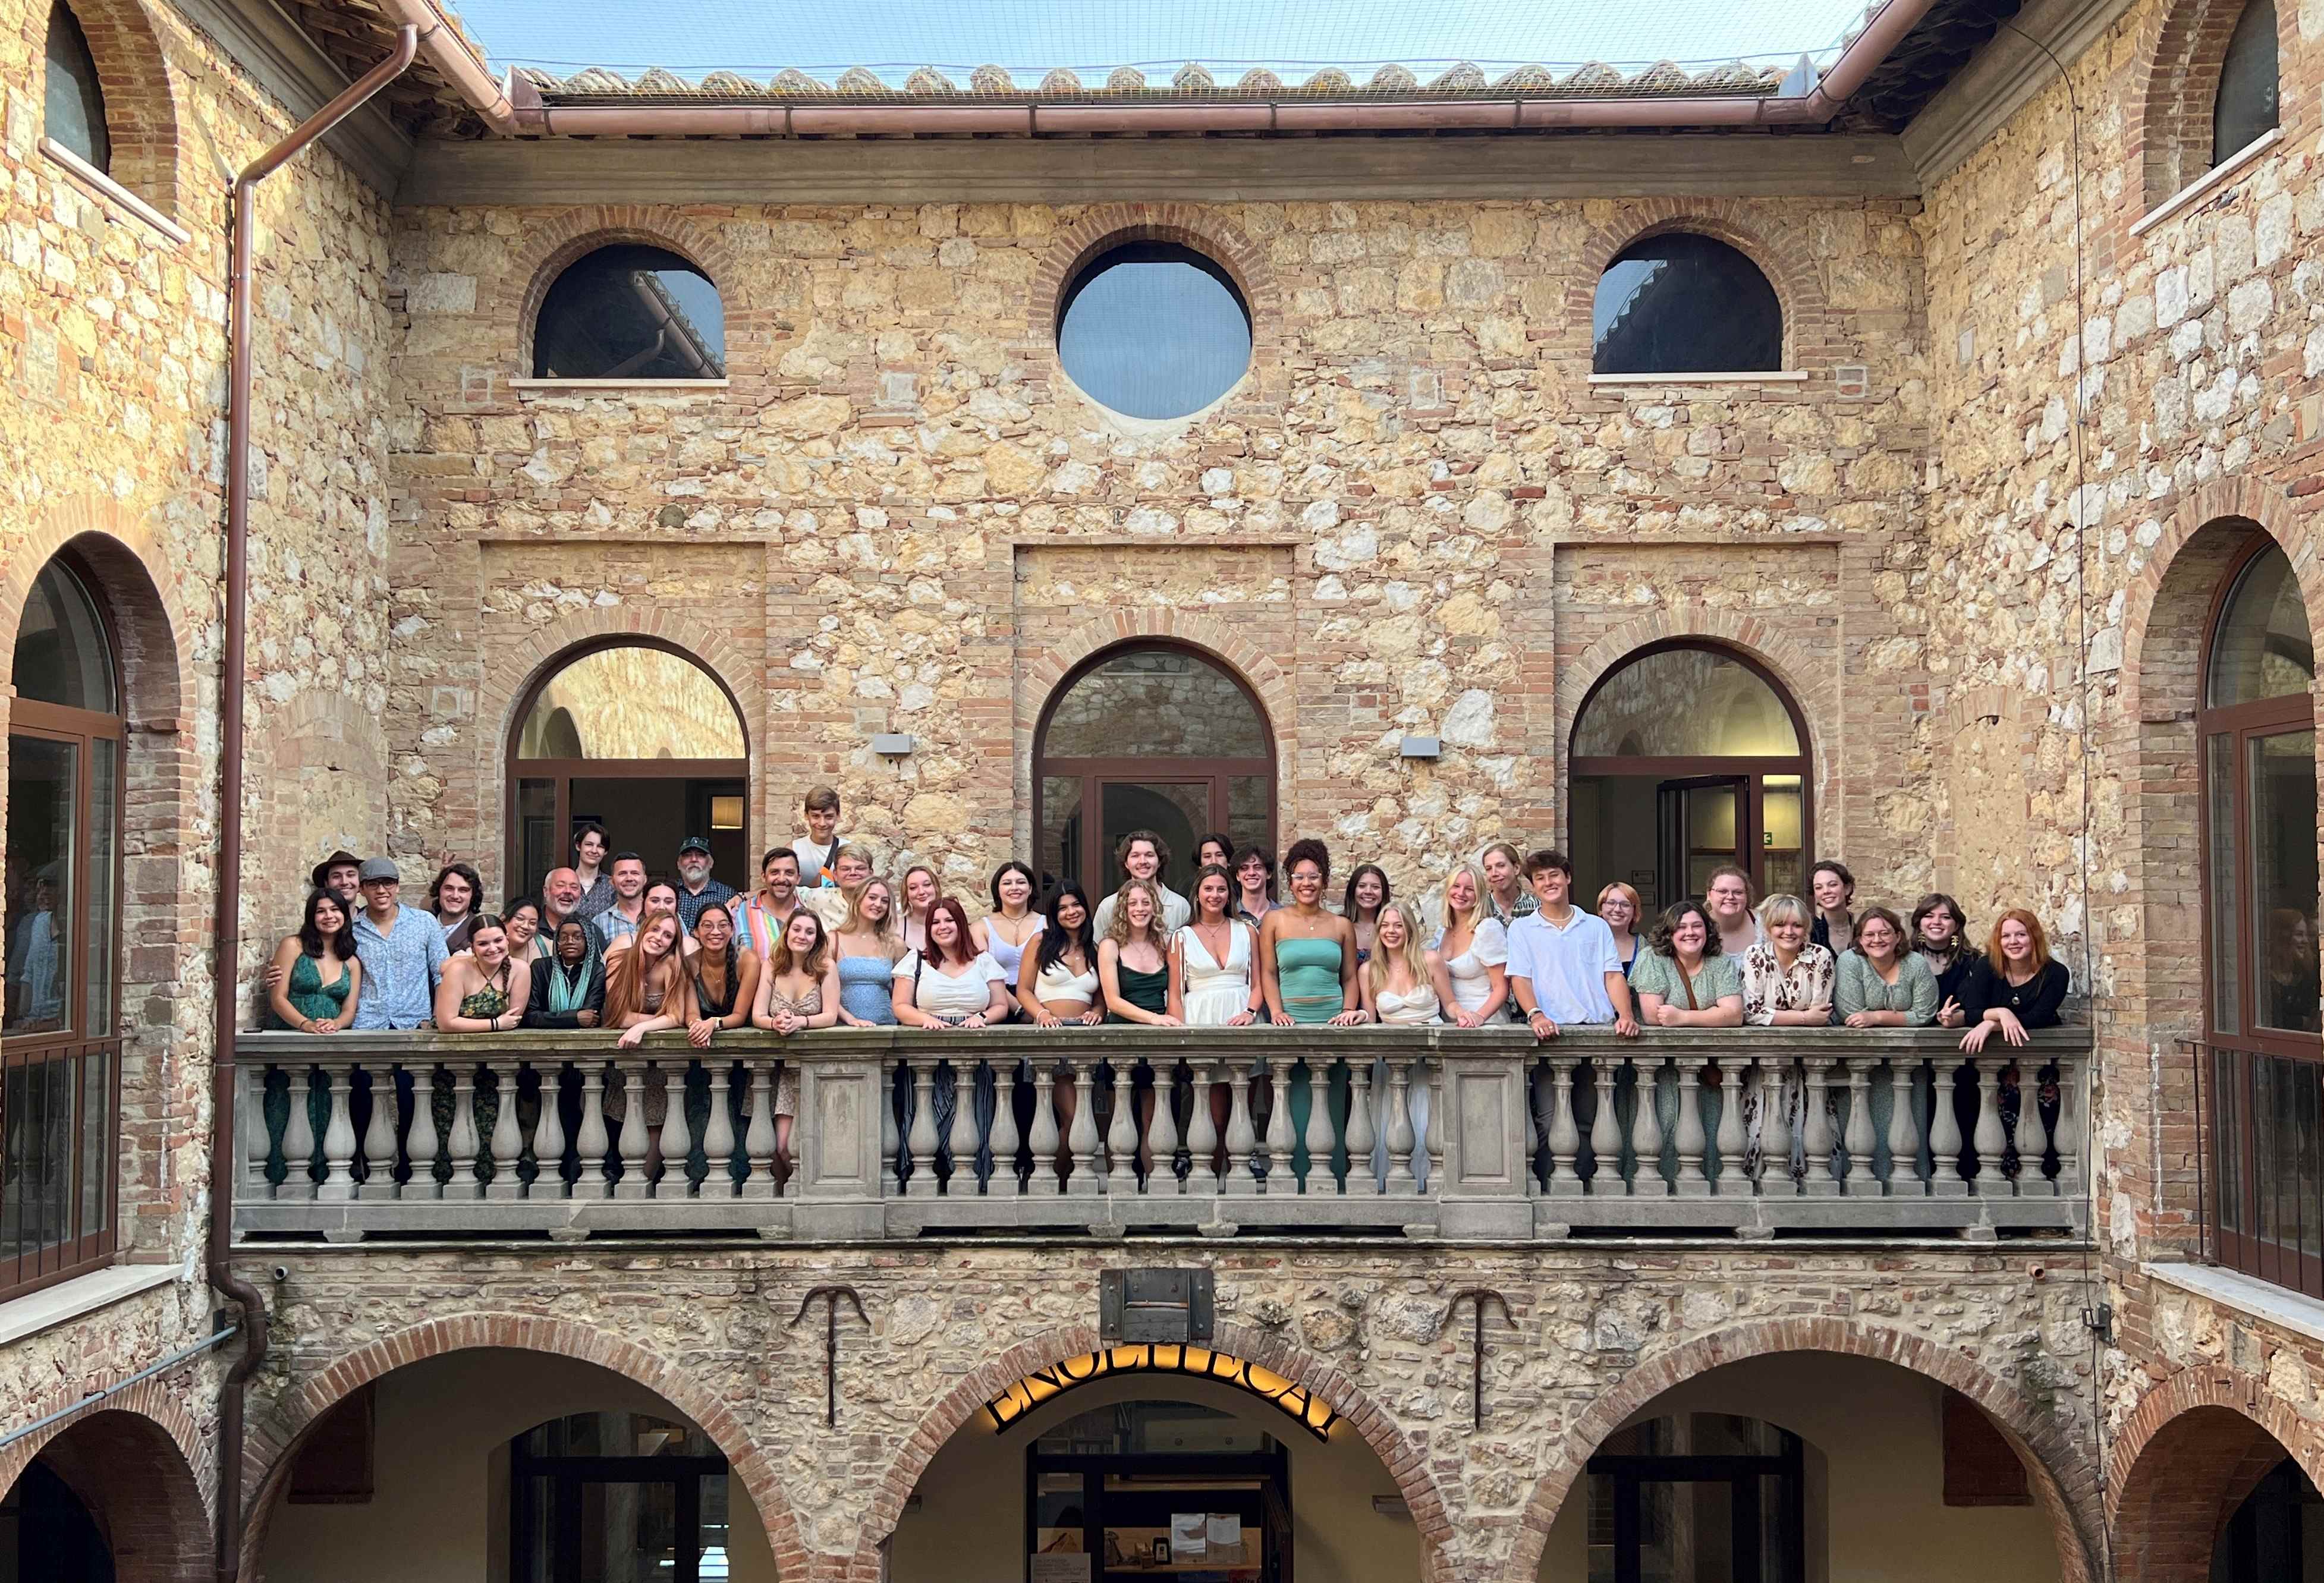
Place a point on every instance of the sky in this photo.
(759, 37)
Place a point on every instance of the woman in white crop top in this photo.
(1056, 983)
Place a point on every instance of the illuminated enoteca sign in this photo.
(1288, 1397)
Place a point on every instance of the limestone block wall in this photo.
(1592, 1338)
(918, 525)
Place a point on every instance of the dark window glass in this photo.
(1154, 330)
(2281, 779)
(1680, 303)
(62, 656)
(2261, 649)
(629, 312)
(75, 111)
(2246, 109)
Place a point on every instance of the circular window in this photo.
(1154, 330)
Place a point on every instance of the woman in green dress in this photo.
(1307, 952)
(317, 974)
(1683, 979)
(1134, 963)
(484, 992)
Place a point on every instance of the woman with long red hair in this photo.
(651, 985)
(2017, 987)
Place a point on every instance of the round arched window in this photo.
(2246, 109)
(631, 312)
(1680, 303)
(1692, 754)
(73, 111)
(1151, 739)
(1151, 329)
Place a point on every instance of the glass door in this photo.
(1705, 821)
(1178, 811)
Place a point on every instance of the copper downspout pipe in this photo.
(528, 115)
(228, 932)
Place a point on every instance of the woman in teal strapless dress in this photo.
(1307, 955)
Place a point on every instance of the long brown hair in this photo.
(936, 955)
(625, 985)
(781, 961)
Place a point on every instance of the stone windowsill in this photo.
(111, 193)
(83, 1294)
(2247, 1294)
(1765, 377)
(2209, 182)
(553, 385)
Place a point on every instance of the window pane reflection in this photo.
(44, 805)
(1685, 703)
(631, 312)
(1680, 303)
(2261, 649)
(104, 816)
(2227, 981)
(2247, 108)
(63, 654)
(1155, 703)
(1154, 330)
(2282, 786)
(1060, 839)
(631, 703)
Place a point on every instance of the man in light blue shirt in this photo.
(1563, 965)
(402, 955)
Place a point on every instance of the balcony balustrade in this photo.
(1426, 1132)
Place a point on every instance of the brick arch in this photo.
(2068, 1497)
(506, 683)
(1404, 1461)
(136, 577)
(2240, 500)
(553, 248)
(2178, 87)
(2183, 1461)
(1811, 335)
(1188, 224)
(141, 1468)
(274, 1437)
(1038, 680)
(141, 107)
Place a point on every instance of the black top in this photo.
(2036, 1002)
(1819, 933)
(1952, 983)
(537, 1014)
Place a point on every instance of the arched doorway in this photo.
(638, 738)
(2257, 724)
(2212, 1497)
(109, 1499)
(1686, 757)
(60, 1035)
(1149, 737)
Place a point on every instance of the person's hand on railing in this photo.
(1243, 1019)
(974, 1019)
(1544, 1029)
(587, 1019)
(1352, 1018)
(632, 1037)
(697, 1034)
(1463, 1017)
(1092, 1017)
(1282, 1018)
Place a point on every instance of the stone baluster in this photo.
(339, 1183)
(1646, 1130)
(1605, 1132)
(1733, 1183)
(634, 1138)
(378, 1138)
(505, 1145)
(1563, 1135)
(1279, 1136)
(1120, 1169)
(961, 1141)
(1362, 1138)
(1991, 1140)
(1001, 1135)
(463, 1143)
(1401, 1181)
(1815, 1129)
(549, 1136)
(922, 1138)
(591, 1142)
(1694, 1181)
(718, 1127)
(421, 1143)
(892, 1158)
(2066, 1138)
(1321, 1134)
(1435, 1126)
(1242, 1137)
(1945, 1178)
(1776, 1130)
(298, 1136)
(257, 1137)
(1083, 1138)
(1042, 1139)
(1904, 1133)
(1203, 1174)
(1162, 1131)
(2032, 1138)
(759, 1136)
(1861, 1139)
(676, 1134)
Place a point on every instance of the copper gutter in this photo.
(455, 61)
(529, 116)
(226, 940)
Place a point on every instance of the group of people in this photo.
(826, 941)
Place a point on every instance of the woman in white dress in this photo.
(1474, 947)
(1403, 982)
(1216, 951)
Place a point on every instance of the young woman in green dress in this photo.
(317, 976)
(1307, 952)
(1134, 963)
(484, 992)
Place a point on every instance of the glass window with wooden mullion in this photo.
(2246, 107)
(2279, 777)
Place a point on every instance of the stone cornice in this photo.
(284, 61)
(2004, 74)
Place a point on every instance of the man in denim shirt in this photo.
(402, 955)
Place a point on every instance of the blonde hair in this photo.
(1413, 952)
(1637, 907)
(888, 931)
(1118, 929)
(1478, 910)
(1784, 905)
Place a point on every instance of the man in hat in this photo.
(402, 953)
(698, 892)
(339, 874)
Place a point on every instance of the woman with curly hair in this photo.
(1682, 979)
(1307, 952)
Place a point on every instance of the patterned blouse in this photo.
(1769, 988)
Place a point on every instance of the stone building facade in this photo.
(2047, 380)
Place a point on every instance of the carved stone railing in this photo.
(1428, 1132)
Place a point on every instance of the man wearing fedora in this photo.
(340, 874)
